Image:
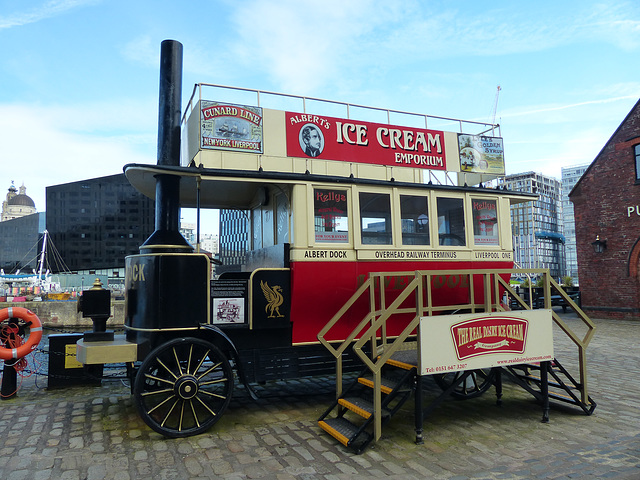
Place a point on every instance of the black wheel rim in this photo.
(183, 387)
(474, 385)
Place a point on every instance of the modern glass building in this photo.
(21, 242)
(95, 223)
(234, 239)
(538, 240)
(570, 176)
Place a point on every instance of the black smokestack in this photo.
(166, 236)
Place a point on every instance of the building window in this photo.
(636, 150)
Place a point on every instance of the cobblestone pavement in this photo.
(95, 432)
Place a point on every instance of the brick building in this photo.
(607, 215)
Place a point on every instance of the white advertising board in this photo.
(452, 343)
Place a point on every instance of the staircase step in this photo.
(406, 360)
(341, 429)
(536, 379)
(360, 406)
(562, 396)
(387, 383)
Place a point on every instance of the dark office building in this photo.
(20, 245)
(96, 223)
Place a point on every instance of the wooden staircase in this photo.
(562, 386)
(357, 416)
(351, 418)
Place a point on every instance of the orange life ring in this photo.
(35, 332)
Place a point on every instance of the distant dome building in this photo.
(17, 204)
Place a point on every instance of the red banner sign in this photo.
(489, 335)
(313, 136)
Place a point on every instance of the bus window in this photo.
(256, 228)
(451, 221)
(375, 218)
(282, 219)
(414, 212)
(330, 215)
(485, 222)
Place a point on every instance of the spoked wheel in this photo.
(183, 387)
(473, 386)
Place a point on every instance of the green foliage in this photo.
(540, 281)
(567, 281)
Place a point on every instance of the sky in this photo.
(79, 78)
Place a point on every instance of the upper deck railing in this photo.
(411, 160)
(483, 127)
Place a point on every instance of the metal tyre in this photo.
(478, 382)
(183, 387)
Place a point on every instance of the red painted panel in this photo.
(320, 289)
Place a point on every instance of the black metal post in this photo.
(498, 384)
(9, 386)
(166, 236)
(419, 418)
(170, 103)
(544, 390)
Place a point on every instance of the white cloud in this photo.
(302, 43)
(143, 50)
(425, 30)
(304, 47)
(552, 113)
(42, 147)
(46, 10)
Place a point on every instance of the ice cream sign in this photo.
(489, 335)
(484, 340)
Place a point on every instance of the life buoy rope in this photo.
(11, 349)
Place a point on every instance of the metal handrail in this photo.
(379, 313)
(198, 88)
(581, 343)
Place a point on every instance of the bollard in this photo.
(95, 303)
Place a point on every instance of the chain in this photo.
(42, 351)
(60, 330)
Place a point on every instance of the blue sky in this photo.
(79, 78)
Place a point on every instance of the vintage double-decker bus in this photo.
(327, 207)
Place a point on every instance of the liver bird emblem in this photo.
(274, 299)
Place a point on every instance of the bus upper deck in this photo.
(331, 199)
(328, 182)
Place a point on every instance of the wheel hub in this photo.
(186, 387)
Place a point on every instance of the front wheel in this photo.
(478, 382)
(183, 387)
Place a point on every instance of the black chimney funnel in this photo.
(167, 237)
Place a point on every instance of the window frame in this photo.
(390, 194)
(636, 156)
(497, 201)
(465, 216)
(429, 204)
(312, 215)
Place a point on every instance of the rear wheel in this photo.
(478, 382)
(183, 387)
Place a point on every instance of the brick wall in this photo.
(609, 281)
